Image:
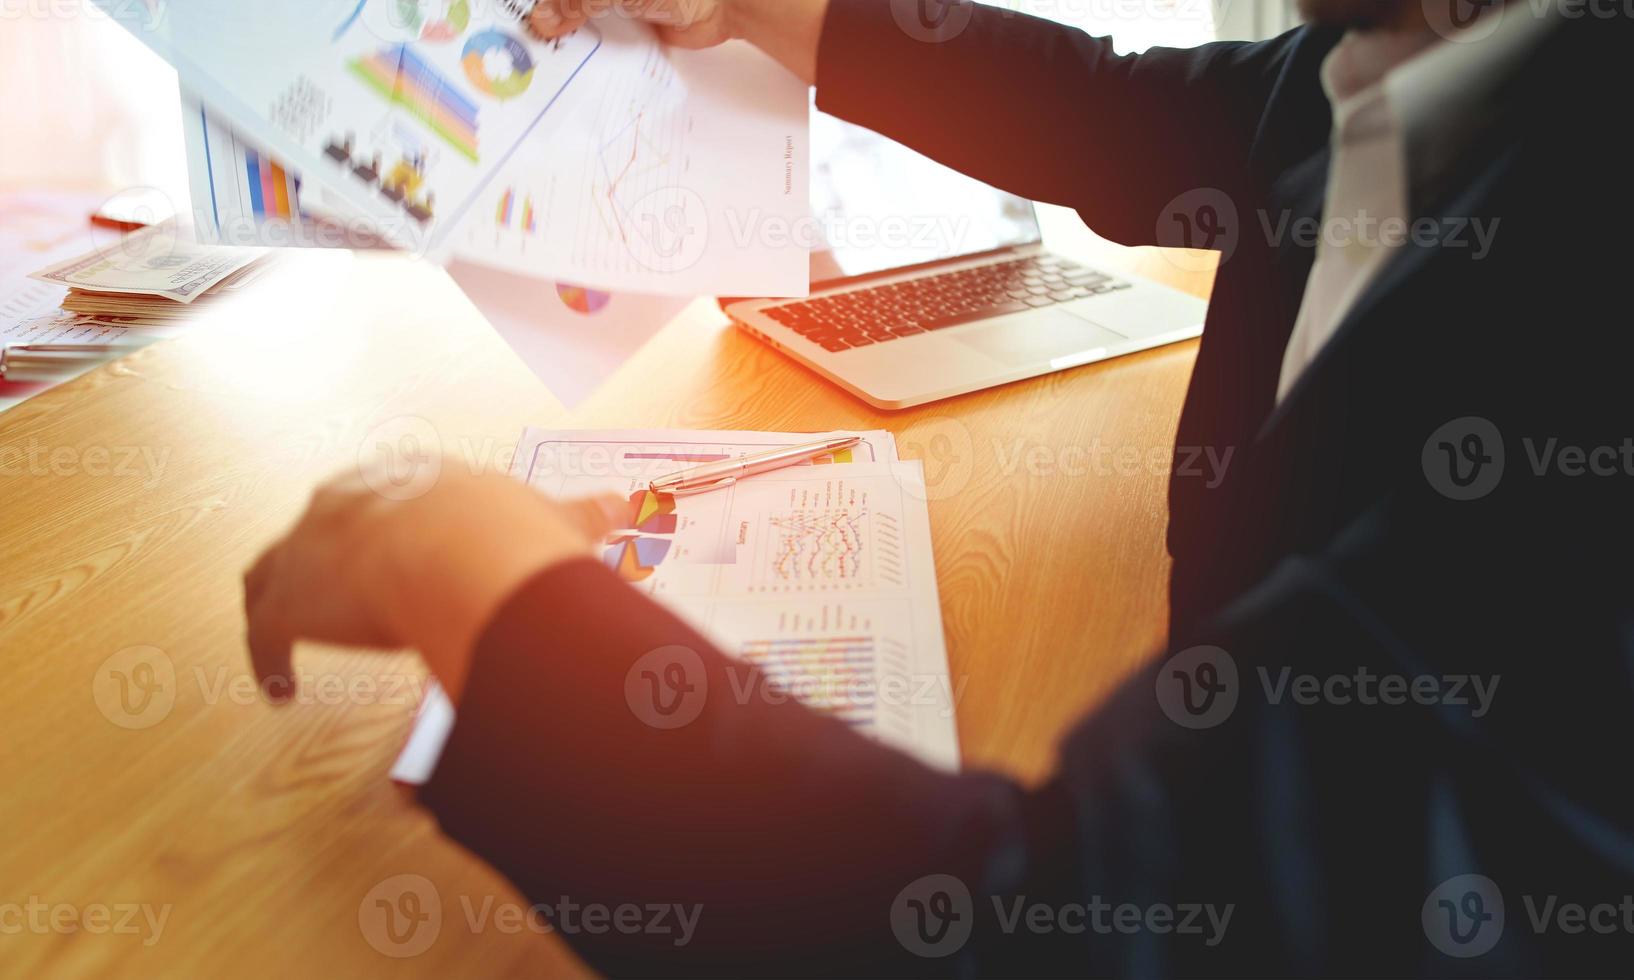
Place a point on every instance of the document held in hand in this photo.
(440, 126)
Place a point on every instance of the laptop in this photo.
(928, 284)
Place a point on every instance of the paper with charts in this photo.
(444, 124)
(821, 575)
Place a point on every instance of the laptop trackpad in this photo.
(1037, 337)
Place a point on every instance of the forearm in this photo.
(788, 833)
(1046, 111)
(788, 30)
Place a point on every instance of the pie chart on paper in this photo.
(497, 64)
(456, 17)
(581, 300)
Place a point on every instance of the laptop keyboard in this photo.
(879, 314)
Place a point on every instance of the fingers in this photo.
(270, 645)
(597, 517)
(551, 20)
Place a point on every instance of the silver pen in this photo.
(720, 475)
(33, 360)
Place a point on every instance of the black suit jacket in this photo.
(1338, 834)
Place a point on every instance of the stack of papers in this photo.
(820, 575)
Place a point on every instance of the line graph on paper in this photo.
(817, 547)
(827, 540)
(640, 152)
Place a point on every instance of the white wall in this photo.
(86, 105)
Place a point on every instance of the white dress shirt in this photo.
(1404, 106)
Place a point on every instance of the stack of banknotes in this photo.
(152, 278)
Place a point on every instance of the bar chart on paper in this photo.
(854, 660)
(407, 110)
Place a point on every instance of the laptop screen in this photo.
(879, 205)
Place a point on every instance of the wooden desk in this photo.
(132, 500)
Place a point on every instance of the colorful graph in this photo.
(407, 20)
(627, 159)
(579, 299)
(455, 18)
(274, 193)
(507, 215)
(402, 78)
(816, 546)
(497, 64)
(834, 675)
(652, 513)
(636, 558)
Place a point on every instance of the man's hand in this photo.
(684, 23)
(788, 30)
(361, 570)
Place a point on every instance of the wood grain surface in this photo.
(132, 500)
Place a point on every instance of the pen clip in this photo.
(720, 484)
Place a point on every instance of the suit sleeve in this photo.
(605, 754)
(1287, 812)
(1046, 111)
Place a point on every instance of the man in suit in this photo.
(1394, 733)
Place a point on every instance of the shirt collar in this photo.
(1442, 91)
